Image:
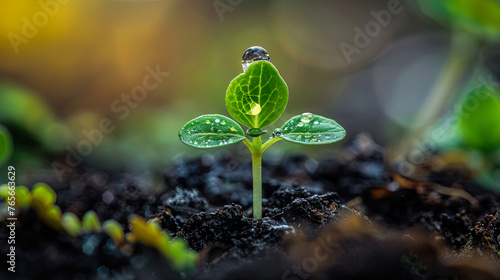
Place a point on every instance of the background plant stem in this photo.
(462, 53)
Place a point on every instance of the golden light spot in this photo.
(255, 109)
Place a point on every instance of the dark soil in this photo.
(348, 216)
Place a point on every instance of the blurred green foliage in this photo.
(42, 198)
(479, 17)
(479, 119)
(25, 112)
(5, 145)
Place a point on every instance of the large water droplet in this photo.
(253, 54)
(306, 117)
(277, 132)
(255, 110)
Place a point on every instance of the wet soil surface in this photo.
(347, 216)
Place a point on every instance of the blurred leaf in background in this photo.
(5, 145)
(479, 119)
(27, 114)
(479, 17)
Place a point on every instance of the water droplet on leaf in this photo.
(223, 122)
(217, 120)
(277, 132)
(253, 54)
(316, 122)
(232, 128)
(207, 121)
(301, 124)
(306, 117)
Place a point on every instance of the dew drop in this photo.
(232, 128)
(306, 117)
(255, 110)
(277, 132)
(316, 122)
(253, 54)
(196, 143)
(207, 121)
(223, 122)
(217, 120)
(301, 124)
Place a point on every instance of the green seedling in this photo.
(151, 234)
(90, 222)
(23, 197)
(43, 197)
(51, 217)
(114, 230)
(71, 224)
(256, 99)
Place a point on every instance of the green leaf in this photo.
(51, 216)
(479, 119)
(5, 145)
(209, 131)
(258, 97)
(23, 197)
(90, 222)
(311, 129)
(114, 230)
(71, 224)
(43, 196)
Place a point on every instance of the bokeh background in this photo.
(63, 64)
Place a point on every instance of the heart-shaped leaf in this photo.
(209, 131)
(311, 129)
(258, 97)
